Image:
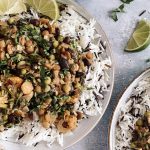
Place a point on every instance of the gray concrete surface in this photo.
(128, 65)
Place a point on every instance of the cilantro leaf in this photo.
(127, 1)
(113, 13)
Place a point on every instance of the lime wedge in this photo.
(45, 7)
(19, 7)
(140, 38)
(11, 6)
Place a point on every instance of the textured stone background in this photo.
(128, 65)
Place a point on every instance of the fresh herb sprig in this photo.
(113, 13)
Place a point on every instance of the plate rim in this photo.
(138, 78)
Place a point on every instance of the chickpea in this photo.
(41, 112)
(10, 49)
(16, 81)
(38, 89)
(89, 55)
(66, 88)
(56, 73)
(28, 96)
(74, 99)
(64, 45)
(56, 67)
(22, 40)
(48, 101)
(46, 124)
(75, 68)
(47, 117)
(52, 57)
(25, 109)
(50, 118)
(27, 87)
(29, 43)
(2, 44)
(56, 81)
(14, 29)
(44, 21)
(1, 128)
(68, 77)
(29, 49)
(71, 61)
(45, 33)
(2, 55)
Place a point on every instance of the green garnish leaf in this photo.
(3, 63)
(113, 13)
(127, 1)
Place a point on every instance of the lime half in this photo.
(45, 7)
(11, 7)
(140, 38)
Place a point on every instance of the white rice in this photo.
(137, 104)
(71, 24)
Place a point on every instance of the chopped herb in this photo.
(90, 88)
(148, 60)
(113, 13)
(3, 63)
(127, 1)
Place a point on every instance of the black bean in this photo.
(43, 29)
(35, 22)
(57, 32)
(79, 74)
(67, 40)
(65, 124)
(86, 62)
(63, 63)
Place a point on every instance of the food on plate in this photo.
(52, 74)
(141, 133)
(140, 38)
(132, 129)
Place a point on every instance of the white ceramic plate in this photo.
(121, 103)
(86, 125)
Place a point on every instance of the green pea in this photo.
(11, 20)
(55, 44)
(139, 122)
(23, 71)
(5, 117)
(60, 38)
(133, 145)
(47, 80)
